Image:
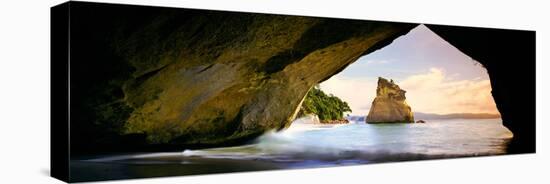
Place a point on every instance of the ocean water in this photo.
(305, 145)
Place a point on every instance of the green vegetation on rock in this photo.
(327, 107)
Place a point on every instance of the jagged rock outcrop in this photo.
(174, 77)
(389, 105)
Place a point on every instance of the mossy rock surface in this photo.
(184, 77)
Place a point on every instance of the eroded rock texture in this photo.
(190, 77)
(389, 105)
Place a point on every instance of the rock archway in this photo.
(509, 56)
(175, 78)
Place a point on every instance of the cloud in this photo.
(438, 77)
(431, 92)
(436, 92)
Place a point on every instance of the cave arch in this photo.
(179, 78)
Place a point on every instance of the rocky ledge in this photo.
(340, 121)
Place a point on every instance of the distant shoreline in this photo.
(419, 115)
(424, 116)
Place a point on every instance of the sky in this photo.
(438, 77)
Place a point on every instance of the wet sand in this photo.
(306, 146)
(84, 170)
(174, 165)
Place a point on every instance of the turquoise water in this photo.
(306, 145)
(360, 142)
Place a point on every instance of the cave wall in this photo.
(143, 76)
(509, 57)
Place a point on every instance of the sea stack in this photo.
(389, 106)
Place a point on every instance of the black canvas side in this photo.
(59, 79)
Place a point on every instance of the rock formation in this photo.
(143, 75)
(389, 106)
(181, 77)
(338, 121)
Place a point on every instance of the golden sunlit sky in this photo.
(438, 77)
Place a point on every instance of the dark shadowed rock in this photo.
(389, 106)
(504, 53)
(196, 77)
